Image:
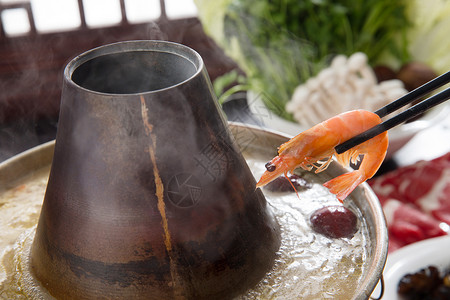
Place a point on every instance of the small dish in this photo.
(411, 259)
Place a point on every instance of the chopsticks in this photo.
(405, 115)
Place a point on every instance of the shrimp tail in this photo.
(344, 184)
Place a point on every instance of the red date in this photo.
(334, 222)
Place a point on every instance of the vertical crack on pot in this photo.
(160, 196)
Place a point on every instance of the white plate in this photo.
(412, 258)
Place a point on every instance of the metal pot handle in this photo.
(382, 289)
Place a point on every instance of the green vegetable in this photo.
(228, 84)
(428, 37)
(281, 43)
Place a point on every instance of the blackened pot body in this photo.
(148, 195)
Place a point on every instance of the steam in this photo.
(31, 85)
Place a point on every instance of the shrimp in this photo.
(314, 148)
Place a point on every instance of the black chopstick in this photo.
(414, 95)
(403, 116)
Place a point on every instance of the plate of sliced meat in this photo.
(416, 201)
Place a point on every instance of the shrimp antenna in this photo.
(287, 177)
(406, 115)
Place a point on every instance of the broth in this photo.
(306, 265)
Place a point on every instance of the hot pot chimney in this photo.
(148, 195)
